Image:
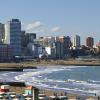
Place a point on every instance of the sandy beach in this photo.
(49, 64)
(48, 93)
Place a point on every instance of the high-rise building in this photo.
(49, 41)
(27, 38)
(1, 32)
(63, 45)
(89, 42)
(59, 50)
(66, 41)
(23, 39)
(4, 52)
(13, 36)
(98, 47)
(30, 37)
(76, 41)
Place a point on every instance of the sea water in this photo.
(83, 80)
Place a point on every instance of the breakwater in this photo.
(13, 83)
(16, 69)
(11, 69)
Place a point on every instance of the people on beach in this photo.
(65, 93)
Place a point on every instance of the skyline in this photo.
(59, 17)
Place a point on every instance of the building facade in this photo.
(29, 37)
(4, 52)
(1, 32)
(51, 51)
(89, 42)
(76, 41)
(49, 41)
(65, 42)
(59, 50)
(13, 36)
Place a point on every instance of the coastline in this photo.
(62, 62)
(34, 64)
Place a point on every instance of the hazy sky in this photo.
(55, 17)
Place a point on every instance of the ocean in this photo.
(84, 80)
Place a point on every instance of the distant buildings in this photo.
(63, 45)
(1, 32)
(4, 52)
(98, 47)
(15, 42)
(50, 51)
(59, 50)
(13, 36)
(27, 38)
(89, 42)
(76, 41)
(30, 37)
(49, 41)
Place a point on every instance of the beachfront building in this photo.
(98, 47)
(89, 42)
(23, 38)
(51, 51)
(35, 49)
(59, 50)
(46, 41)
(29, 37)
(1, 32)
(13, 36)
(40, 41)
(4, 52)
(26, 38)
(76, 41)
(49, 41)
(63, 45)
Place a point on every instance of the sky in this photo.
(55, 17)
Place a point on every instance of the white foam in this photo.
(32, 77)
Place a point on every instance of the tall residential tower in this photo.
(89, 42)
(1, 32)
(13, 36)
(76, 41)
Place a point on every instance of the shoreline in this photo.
(62, 62)
(34, 64)
(50, 92)
(18, 67)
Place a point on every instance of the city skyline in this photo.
(47, 18)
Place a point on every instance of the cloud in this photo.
(40, 28)
(33, 26)
(55, 29)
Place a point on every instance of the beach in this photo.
(20, 89)
(48, 64)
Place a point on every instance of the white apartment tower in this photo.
(76, 41)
